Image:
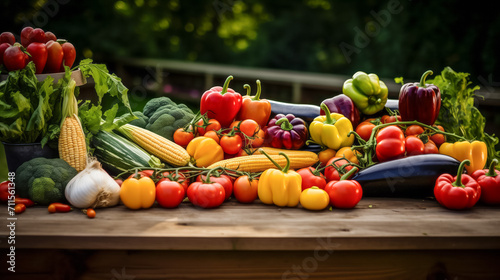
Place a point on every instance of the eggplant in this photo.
(342, 104)
(306, 112)
(412, 176)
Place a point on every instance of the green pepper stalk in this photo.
(458, 181)
(284, 124)
(424, 76)
(329, 119)
(287, 166)
(226, 85)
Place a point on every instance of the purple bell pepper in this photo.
(342, 104)
(286, 132)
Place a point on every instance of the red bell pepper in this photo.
(459, 192)
(69, 55)
(38, 52)
(419, 101)
(55, 55)
(489, 180)
(221, 103)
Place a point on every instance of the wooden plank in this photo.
(375, 224)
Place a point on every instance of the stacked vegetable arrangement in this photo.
(283, 154)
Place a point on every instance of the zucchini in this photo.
(118, 154)
(413, 176)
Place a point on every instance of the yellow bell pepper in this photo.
(331, 130)
(476, 152)
(138, 193)
(204, 151)
(281, 186)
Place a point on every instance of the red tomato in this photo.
(25, 34)
(90, 213)
(204, 195)
(310, 179)
(171, 176)
(3, 47)
(223, 179)
(169, 194)
(7, 37)
(364, 129)
(54, 58)
(414, 130)
(245, 191)
(19, 208)
(14, 58)
(4, 191)
(50, 36)
(390, 119)
(430, 148)
(325, 156)
(69, 55)
(38, 52)
(249, 127)
(258, 139)
(231, 144)
(331, 173)
(390, 143)
(438, 139)
(213, 125)
(182, 137)
(36, 35)
(212, 134)
(414, 146)
(344, 194)
(143, 173)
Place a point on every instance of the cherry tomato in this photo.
(25, 34)
(223, 179)
(245, 190)
(212, 134)
(414, 130)
(258, 139)
(314, 199)
(414, 146)
(390, 143)
(326, 155)
(19, 208)
(36, 35)
(231, 144)
(171, 176)
(213, 125)
(38, 52)
(249, 127)
(331, 173)
(7, 37)
(14, 58)
(182, 137)
(344, 194)
(310, 179)
(69, 55)
(390, 119)
(364, 129)
(206, 195)
(50, 36)
(169, 194)
(54, 58)
(91, 213)
(430, 148)
(438, 139)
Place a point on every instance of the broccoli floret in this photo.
(169, 118)
(44, 180)
(154, 104)
(142, 120)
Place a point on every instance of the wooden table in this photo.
(381, 238)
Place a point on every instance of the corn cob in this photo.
(71, 144)
(157, 145)
(258, 163)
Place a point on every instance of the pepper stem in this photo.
(287, 166)
(285, 124)
(458, 181)
(259, 90)
(329, 119)
(226, 85)
(348, 174)
(424, 76)
(248, 88)
(492, 172)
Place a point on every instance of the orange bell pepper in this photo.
(252, 107)
(204, 151)
(138, 193)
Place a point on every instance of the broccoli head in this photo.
(168, 118)
(154, 104)
(44, 180)
(142, 120)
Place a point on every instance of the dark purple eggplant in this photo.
(306, 112)
(412, 176)
(342, 104)
(288, 132)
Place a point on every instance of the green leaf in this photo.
(399, 80)
(90, 116)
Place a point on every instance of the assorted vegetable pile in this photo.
(248, 148)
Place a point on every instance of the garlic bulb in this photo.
(92, 188)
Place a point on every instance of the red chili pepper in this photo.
(59, 207)
(19, 208)
(459, 192)
(55, 55)
(69, 55)
(489, 180)
(221, 103)
(26, 201)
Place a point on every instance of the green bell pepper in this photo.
(367, 92)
